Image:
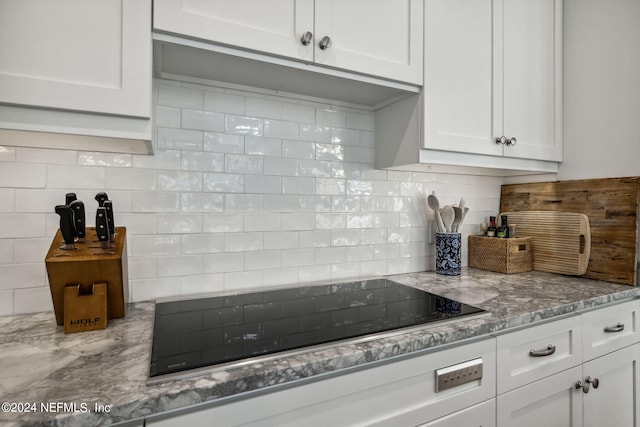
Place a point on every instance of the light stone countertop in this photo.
(39, 364)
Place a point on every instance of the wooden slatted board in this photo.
(560, 241)
(612, 207)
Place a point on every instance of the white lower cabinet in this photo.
(399, 393)
(481, 415)
(585, 376)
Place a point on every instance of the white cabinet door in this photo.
(551, 402)
(458, 87)
(274, 26)
(614, 401)
(482, 415)
(531, 75)
(493, 68)
(77, 55)
(375, 37)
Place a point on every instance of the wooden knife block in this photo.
(86, 265)
(85, 312)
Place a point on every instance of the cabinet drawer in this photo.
(537, 352)
(400, 393)
(609, 329)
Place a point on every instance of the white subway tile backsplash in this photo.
(280, 240)
(261, 146)
(262, 222)
(182, 265)
(243, 202)
(130, 179)
(243, 164)
(202, 161)
(179, 139)
(32, 300)
(298, 185)
(161, 159)
(314, 273)
(331, 152)
(42, 155)
(223, 183)
(147, 246)
(362, 121)
(223, 102)
(242, 191)
(241, 125)
(7, 199)
(280, 129)
(331, 118)
(202, 120)
(299, 113)
(144, 201)
(299, 149)
(261, 260)
(260, 107)
(20, 276)
(223, 262)
(105, 159)
(223, 143)
(7, 154)
(201, 284)
(6, 303)
(243, 242)
(179, 223)
(178, 96)
(142, 267)
(279, 166)
(29, 250)
(202, 202)
(309, 132)
(222, 223)
(8, 251)
(167, 117)
(179, 181)
(17, 226)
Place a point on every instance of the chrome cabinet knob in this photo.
(306, 38)
(594, 382)
(501, 140)
(584, 387)
(325, 43)
(511, 142)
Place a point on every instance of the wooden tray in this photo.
(560, 241)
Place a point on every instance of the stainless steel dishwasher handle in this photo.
(542, 353)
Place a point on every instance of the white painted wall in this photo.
(601, 89)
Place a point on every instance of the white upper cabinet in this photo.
(88, 56)
(377, 37)
(493, 70)
(380, 38)
(491, 103)
(77, 68)
(274, 26)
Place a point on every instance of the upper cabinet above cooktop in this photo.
(360, 52)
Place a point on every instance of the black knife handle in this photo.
(101, 197)
(67, 228)
(79, 218)
(69, 197)
(108, 205)
(102, 225)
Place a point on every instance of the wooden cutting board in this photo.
(560, 241)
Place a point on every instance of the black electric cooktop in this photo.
(214, 331)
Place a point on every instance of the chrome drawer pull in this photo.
(541, 353)
(618, 328)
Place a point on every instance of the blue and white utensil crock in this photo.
(448, 253)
